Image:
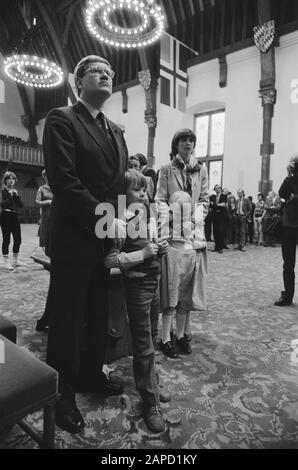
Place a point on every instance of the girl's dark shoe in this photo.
(184, 344)
(169, 349)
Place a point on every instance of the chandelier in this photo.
(101, 21)
(33, 71)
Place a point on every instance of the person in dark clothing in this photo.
(289, 193)
(9, 220)
(85, 158)
(218, 203)
(147, 170)
(250, 221)
(139, 263)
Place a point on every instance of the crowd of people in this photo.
(161, 252)
(239, 220)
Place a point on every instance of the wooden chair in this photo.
(27, 385)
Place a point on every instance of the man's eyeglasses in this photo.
(101, 71)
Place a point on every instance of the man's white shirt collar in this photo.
(93, 111)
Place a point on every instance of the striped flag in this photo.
(174, 80)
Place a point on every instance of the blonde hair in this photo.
(7, 175)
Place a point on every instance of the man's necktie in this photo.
(102, 122)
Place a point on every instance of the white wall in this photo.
(244, 113)
(243, 127)
(12, 109)
(136, 131)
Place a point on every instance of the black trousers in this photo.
(288, 246)
(208, 227)
(10, 225)
(78, 329)
(219, 229)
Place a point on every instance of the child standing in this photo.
(9, 220)
(139, 263)
(184, 270)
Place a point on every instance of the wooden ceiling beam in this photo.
(68, 23)
(67, 4)
(5, 46)
(189, 8)
(223, 5)
(56, 36)
(180, 10)
(233, 25)
(212, 28)
(170, 13)
(244, 19)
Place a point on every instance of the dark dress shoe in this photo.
(41, 325)
(169, 349)
(112, 387)
(184, 345)
(101, 385)
(283, 301)
(220, 252)
(69, 419)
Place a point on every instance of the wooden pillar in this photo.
(149, 83)
(268, 95)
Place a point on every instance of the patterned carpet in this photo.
(237, 390)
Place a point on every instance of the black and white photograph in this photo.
(149, 225)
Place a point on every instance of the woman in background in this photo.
(44, 200)
(9, 220)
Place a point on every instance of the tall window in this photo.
(210, 129)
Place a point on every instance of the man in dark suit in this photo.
(218, 203)
(243, 214)
(85, 158)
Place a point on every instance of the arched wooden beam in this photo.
(56, 36)
(68, 24)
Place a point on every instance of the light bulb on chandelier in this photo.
(146, 11)
(33, 71)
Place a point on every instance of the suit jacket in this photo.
(170, 180)
(246, 207)
(218, 209)
(83, 169)
(290, 212)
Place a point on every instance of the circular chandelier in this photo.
(99, 15)
(33, 71)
